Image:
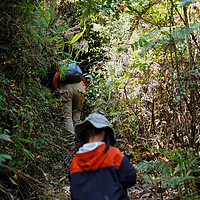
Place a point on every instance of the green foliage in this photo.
(25, 119)
(143, 97)
(5, 138)
(36, 43)
(163, 36)
(179, 169)
(3, 157)
(146, 98)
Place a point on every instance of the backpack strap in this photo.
(83, 81)
(56, 81)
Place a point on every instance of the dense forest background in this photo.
(142, 69)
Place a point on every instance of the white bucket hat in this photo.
(98, 121)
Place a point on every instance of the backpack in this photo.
(69, 72)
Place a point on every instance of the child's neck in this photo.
(97, 138)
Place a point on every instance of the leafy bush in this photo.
(178, 169)
(24, 114)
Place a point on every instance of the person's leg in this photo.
(67, 98)
(78, 108)
(79, 94)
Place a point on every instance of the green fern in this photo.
(178, 169)
(163, 36)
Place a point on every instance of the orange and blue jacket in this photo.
(56, 81)
(96, 175)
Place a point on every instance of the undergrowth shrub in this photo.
(28, 121)
(177, 169)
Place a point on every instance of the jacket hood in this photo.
(91, 160)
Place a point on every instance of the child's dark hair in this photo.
(90, 130)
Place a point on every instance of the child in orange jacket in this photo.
(99, 171)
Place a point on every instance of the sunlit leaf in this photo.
(5, 137)
(24, 140)
(29, 154)
(78, 35)
(3, 157)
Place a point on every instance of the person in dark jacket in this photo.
(99, 171)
